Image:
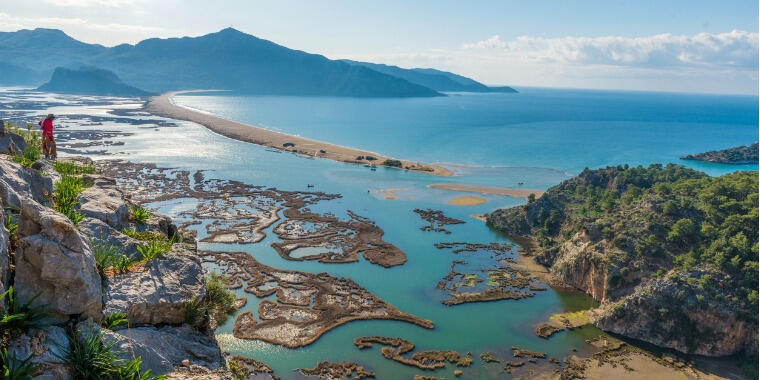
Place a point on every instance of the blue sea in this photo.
(539, 137)
(561, 130)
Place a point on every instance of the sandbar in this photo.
(163, 106)
(467, 200)
(510, 192)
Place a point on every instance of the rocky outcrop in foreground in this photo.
(57, 267)
(670, 252)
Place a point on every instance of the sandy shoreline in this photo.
(518, 193)
(162, 106)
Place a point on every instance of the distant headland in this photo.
(739, 155)
(89, 81)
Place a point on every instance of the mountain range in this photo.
(228, 59)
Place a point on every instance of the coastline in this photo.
(162, 105)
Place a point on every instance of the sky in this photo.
(675, 45)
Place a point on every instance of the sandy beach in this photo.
(162, 105)
(518, 193)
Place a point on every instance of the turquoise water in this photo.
(563, 130)
(538, 137)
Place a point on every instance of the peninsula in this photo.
(162, 105)
(738, 155)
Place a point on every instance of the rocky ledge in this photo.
(62, 285)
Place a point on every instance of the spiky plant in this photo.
(22, 316)
(13, 368)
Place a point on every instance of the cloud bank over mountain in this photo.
(705, 62)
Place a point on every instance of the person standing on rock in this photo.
(48, 142)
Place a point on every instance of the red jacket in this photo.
(47, 127)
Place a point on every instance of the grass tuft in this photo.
(122, 264)
(139, 214)
(13, 368)
(114, 320)
(21, 316)
(73, 168)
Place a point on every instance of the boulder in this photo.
(55, 261)
(44, 347)
(11, 143)
(98, 229)
(17, 181)
(47, 169)
(104, 201)
(128, 349)
(177, 345)
(157, 293)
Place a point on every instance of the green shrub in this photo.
(10, 226)
(194, 312)
(139, 214)
(154, 249)
(73, 168)
(131, 371)
(33, 151)
(89, 357)
(239, 369)
(122, 264)
(65, 194)
(75, 217)
(105, 253)
(92, 359)
(21, 316)
(13, 368)
(114, 320)
(221, 301)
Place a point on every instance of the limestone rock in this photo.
(175, 344)
(669, 314)
(44, 347)
(129, 349)
(157, 293)
(55, 261)
(11, 143)
(97, 229)
(5, 271)
(102, 200)
(17, 181)
(47, 169)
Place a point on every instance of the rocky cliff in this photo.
(671, 253)
(55, 266)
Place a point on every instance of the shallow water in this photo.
(535, 148)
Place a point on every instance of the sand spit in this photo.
(467, 200)
(518, 193)
(162, 105)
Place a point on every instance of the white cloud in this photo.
(88, 3)
(723, 62)
(738, 49)
(76, 26)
